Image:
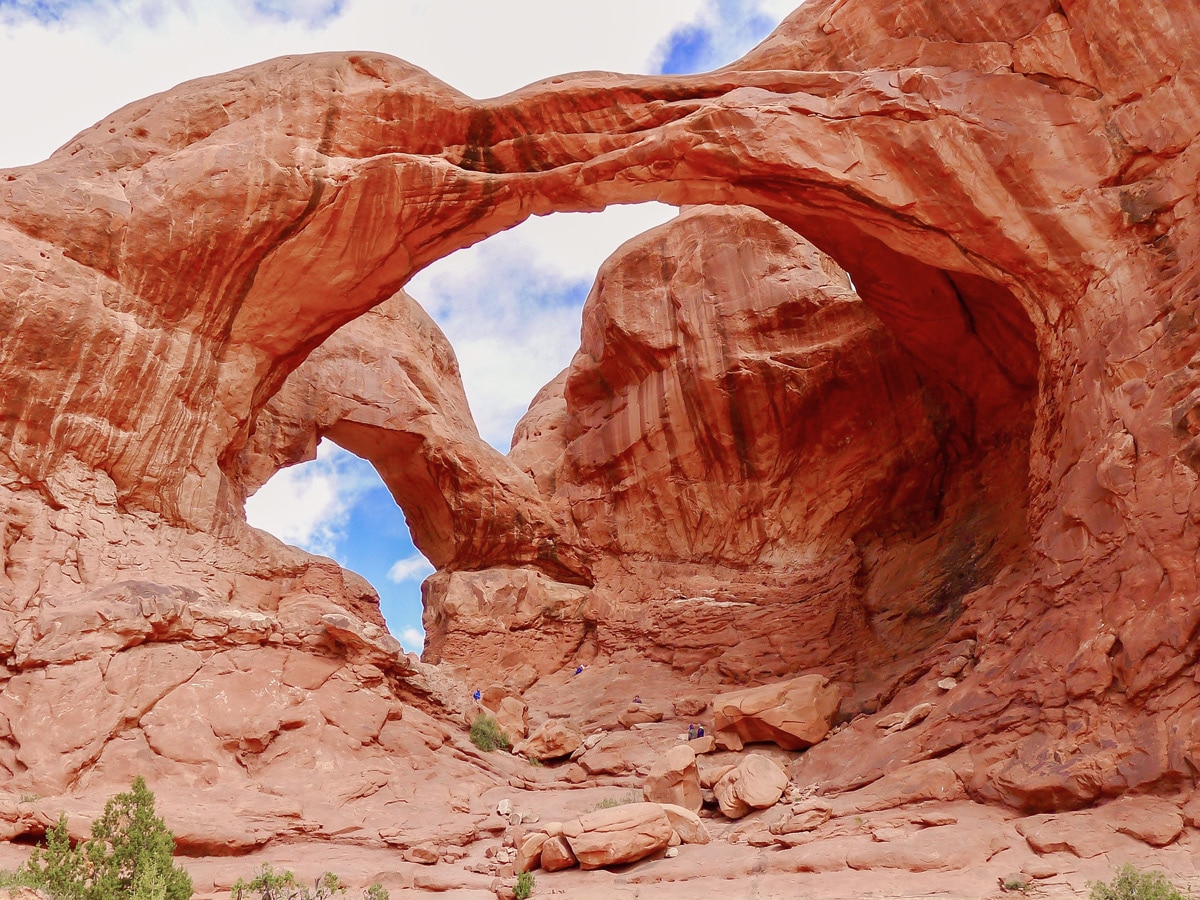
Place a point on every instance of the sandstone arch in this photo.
(1006, 162)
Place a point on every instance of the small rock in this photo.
(908, 719)
(553, 739)
(806, 819)
(575, 774)
(1039, 868)
(504, 808)
(947, 684)
(953, 666)
(619, 835)
(671, 853)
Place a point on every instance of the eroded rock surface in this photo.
(757, 466)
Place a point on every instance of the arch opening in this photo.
(335, 504)
(935, 522)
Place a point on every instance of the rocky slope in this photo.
(914, 410)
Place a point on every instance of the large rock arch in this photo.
(1008, 195)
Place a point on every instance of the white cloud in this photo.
(720, 32)
(413, 639)
(309, 505)
(511, 305)
(412, 568)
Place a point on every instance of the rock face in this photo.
(734, 430)
(930, 376)
(387, 387)
(793, 714)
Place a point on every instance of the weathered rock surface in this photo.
(794, 714)
(755, 466)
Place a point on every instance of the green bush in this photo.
(486, 734)
(524, 887)
(271, 885)
(129, 855)
(1131, 884)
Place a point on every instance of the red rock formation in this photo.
(740, 433)
(387, 388)
(1012, 189)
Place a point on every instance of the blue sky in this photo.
(510, 306)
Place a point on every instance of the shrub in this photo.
(271, 885)
(129, 855)
(610, 802)
(524, 887)
(1015, 883)
(486, 734)
(1131, 884)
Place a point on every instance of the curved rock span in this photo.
(905, 398)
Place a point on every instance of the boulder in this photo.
(754, 783)
(621, 834)
(675, 779)
(512, 715)
(807, 817)
(639, 714)
(553, 739)
(689, 707)
(711, 775)
(687, 824)
(793, 714)
(423, 854)
(557, 855)
(706, 744)
(1151, 820)
(529, 854)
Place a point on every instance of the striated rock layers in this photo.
(972, 460)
